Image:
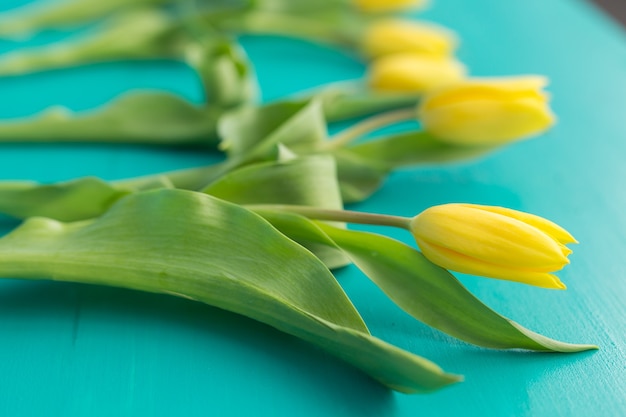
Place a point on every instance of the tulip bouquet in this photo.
(260, 232)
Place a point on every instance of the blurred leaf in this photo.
(42, 15)
(427, 292)
(198, 247)
(138, 34)
(88, 197)
(346, 100)
(359, 177)
(299, 7)
(135, 117)
(187, 179)
(253, 133)
(362, 168)
(415, 148)
(345, 106)
(71, 200)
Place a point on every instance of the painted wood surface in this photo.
(74, 350)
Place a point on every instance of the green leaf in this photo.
(253, 133)
(351, 99)
(427, 292)
(362, 168)
(88, 197)
(198, 247)
(359, 177)
(434, 296)
(78, 199)
(319, 25)
(72, 200)
(135, 117)
(298, 7)
(187, 179)
(415, 148)
(138, 34)
(36, 16)
(309, 181)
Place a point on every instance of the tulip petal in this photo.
(488, 121)
(487, 236)
(413, 73)
(390, 36)
(487, 112)
(496, 88)
(548, 227)
(455, 261)
(382, 6)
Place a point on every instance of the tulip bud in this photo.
(411, 73)
(390, 36)
(385, 6)
(487, 112)
(493, 242)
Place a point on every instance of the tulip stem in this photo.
(337, 215)
(370, 125)
(260, 22)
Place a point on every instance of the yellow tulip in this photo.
(390, 36)
(487, 112)
(384, 6)
(412, 73)
(493, 242)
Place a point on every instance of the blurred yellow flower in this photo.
(493, 242)
(390, 36)
(383, 6)
(489, 111)
(413, 73)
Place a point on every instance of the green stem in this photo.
(338, 215)
(281, 24)
(370, 125)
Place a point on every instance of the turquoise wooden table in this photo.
(75, 350)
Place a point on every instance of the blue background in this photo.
(70, 350)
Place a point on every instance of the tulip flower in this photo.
(384, 6)
(413, 73)
(493, 242)
(488, 241)
(487, 112)
(390, 36)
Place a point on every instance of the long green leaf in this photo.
(87, 197)
(135, 117)
(359, 177)
(195, 246)
(252, 133)
(429, 293)
(138, 34)
(310, 181)
(351, 99)
(362, 168)
(36, 16)
(415, 148)
(70, 200)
